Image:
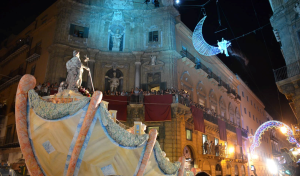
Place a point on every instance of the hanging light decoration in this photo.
(203, 47)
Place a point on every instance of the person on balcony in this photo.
(217, 149)
(205, 147)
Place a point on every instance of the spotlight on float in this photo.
(231, 150)
(283, 129)
(272, 167)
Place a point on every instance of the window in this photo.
(243, 94)
(259, 122)
(253, 118)
(247, 128)
(79, 31)
(247, 98)
(249, 114)
(254, 106)
(256, 120)
(9, 136)
(188, 134)
(32, 71)
(153, 36)
(251, 131)
(251, 102)
(245, 110)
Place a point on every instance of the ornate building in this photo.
(285, 23)
(135, 44)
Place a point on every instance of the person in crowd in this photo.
(161, 92)
(205, 147)
(212, 149)
(209, 147)
(141, 96)
(217, 149)
(123, 93)
(221, 149)
(152, 92)
(167, 91)
(148, 93)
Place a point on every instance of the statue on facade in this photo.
(75, 70)
(114, 82)
(153, 60)
(116, 39)
(297, 8)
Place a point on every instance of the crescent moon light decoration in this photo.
(204, 48)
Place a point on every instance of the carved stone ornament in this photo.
(119, 4)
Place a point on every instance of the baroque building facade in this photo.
(148, 47)
(285, 23)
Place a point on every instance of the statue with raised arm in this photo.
(75, 70)
(114, 82)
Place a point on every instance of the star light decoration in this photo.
(268, 125)
(203, 47)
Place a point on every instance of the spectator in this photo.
(205, 147)
(210, 145)
(141, 96)
(217, 149)
(123, 93)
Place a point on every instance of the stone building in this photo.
(285, 22)
(147, 46)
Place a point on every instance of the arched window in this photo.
(222, 107)
(243, 170)
(231, 112)
(218, 170)
(187, 83)
(237, 117)
(213, 100)
(236, 170)
(228, 169)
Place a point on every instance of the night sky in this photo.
(238, 16)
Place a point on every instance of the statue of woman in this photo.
(116, 38)
(75, 70)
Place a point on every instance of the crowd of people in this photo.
(211, 149)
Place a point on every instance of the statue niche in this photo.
(114, 80)
(116, 37)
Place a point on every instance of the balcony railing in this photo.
(288, 71)
(20, 47)
(11, 78)
(34, 54)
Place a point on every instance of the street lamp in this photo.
(283, 129)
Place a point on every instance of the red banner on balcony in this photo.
(158, 108)
(198, 119)
(118, 103)
(239, 136)
(222, 130)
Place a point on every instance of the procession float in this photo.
(71, 134)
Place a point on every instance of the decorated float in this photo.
(71, 134)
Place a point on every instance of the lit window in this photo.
(79, 31)
(243, 94)
(188, 134)
(153, 36)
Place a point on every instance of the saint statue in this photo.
(116, 39)
(223, 46)
(75, 70)
(114, 82)
(153, 60)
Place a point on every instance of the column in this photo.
(137, 78)
(91, 65)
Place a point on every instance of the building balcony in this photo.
(18, 49)
(231, 93)
(213, 78)
(34, 54)
(222, 86)
(238, 99)
(286, 72)
(11, 78)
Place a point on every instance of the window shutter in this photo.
(161, 132)
(150, 37)
(86, 32)
(72, 27)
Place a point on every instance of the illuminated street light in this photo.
(231, 150)
(177, 1)
(283, 129)
(255, 156)
(272, 167)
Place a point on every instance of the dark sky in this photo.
(237, 16)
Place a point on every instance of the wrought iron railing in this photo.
(19, 71)
(15, 48)
(35, 50)
(288, 71)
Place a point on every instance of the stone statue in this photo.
(153, 60)
(75, 70)
(297, 8)
(114, 82)
(116, 39)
